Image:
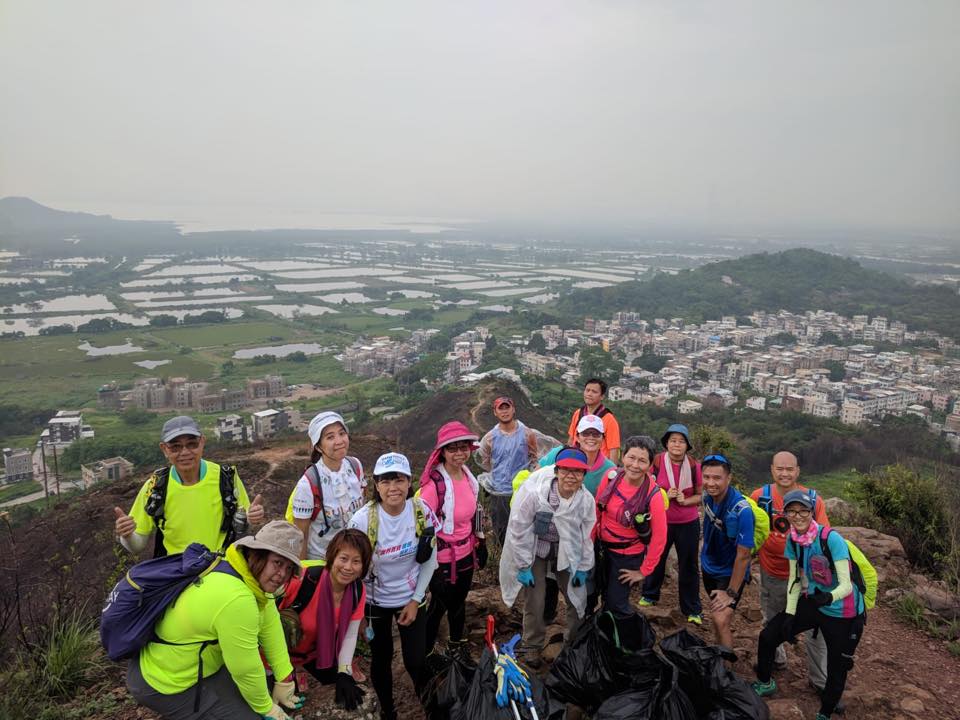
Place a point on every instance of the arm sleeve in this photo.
(485, 451)
(273, 641)
(658, 541)
(238, 627)
(426, 574)
(840, 552)
(345, 658)
(135, 543)
(793, 589)
(302, 499)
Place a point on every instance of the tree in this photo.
(837, 370)
(782, 338)
(163, 320)
(829, 337)
(228, 367)
(536, 343)
(650, 361)
(134, 416)
(298, 356)
(596, 363)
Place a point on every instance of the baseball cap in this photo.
(277, 536)
(180, 425)
(502, 400)
(799, 496)
(570, 457)
(590, 422)
(321, 421)
(392, 463)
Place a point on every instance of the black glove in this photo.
(788, 634)
(348, 695)
(482, 555)
(821, 598)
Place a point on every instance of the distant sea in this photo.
(214, 218)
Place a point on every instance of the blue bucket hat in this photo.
(676, 428)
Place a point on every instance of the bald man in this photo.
(775, 568)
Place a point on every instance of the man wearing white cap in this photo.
(330, 490)
(189, 500)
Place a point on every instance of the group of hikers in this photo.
(591, 519)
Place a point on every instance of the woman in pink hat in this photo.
(450, 489)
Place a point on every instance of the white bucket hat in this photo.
(321, 421)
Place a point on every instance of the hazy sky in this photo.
(695, 114)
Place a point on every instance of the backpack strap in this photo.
(228, 495)
(313, 477)
(311, 577)
(373, 523)
(613, 481)
(437, 479)
(825, 547)
(156, 502)
(357, 470)
(766, 500)
(420, 516)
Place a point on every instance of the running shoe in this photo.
(696, 619)
(643, 602)
(765, 688)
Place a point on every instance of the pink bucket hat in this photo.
(451, 432)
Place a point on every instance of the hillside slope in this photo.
(795, 280)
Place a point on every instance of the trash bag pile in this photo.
(448, 680)
(611, 669)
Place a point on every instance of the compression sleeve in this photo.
(793, 589)
(426, 574)
(345, 658)
(844, 584)
(135, 543)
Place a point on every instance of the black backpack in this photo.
(157, 500)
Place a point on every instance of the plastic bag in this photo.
(672, 702)
(447, 680)
(605, 656)
(630, 705)
(479, 701)
(740, 702)
(703, 674)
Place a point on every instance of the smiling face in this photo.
(346, 567)
(456, 454)
(716, 480)
(275, 573)
(590, 441)
(799, 516)
(569, 480)
(505, 413)
(785, 471)
(184, 453)
(334, 443)
(676, 447)
(636, 464)
(393, 489)
(592, 394)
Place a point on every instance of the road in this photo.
(64, 485)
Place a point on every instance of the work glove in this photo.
(276, 713)
(512, 682)
(788, 634)
(348, 694)
(821, 598)
(285, 695)
(482, 555)
(525, 577)
(510, 647)
(579, 578)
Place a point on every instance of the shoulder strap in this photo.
(373, 523)
(601, 411)
(158, 495)
(611, 487)
(437, 479)
(228, 495)
(419, 515)
(825, 546)
(311, 577)
(313, 477)
(355, 464)
(766, 500)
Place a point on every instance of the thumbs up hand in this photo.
(255, 513)
(125, 525)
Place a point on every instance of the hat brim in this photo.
(449, 441)
(180, 433)
(251, 542)
(319, 431)
(572, 465)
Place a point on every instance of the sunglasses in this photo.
(716, 457)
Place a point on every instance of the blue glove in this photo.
(510, 648)
(512, 682)
(579, 578)
(525, 577)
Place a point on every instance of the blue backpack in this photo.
(136, 603)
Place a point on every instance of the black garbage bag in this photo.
(629, 705)
(479, 702)
(703, 675)
(740, 702)
(603, 658)
(446, 681)
(672, 702)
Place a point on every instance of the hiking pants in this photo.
(220, 698)
(450, 599)
(686, 538)
(534, 627)
(499, 515)
(773, 600)
(842, 636)
(616, 595)
(412, 647)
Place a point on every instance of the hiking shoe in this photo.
(696, 619)
(763, 689)
(821, 716)
(643, 602)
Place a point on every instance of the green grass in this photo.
(18, 489)
(832, 484)
(229, 333)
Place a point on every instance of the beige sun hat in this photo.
(277, 536)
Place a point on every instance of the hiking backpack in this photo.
(140, 598)
(290, 613)
(761, 522)
(766, 500)
(157, 499)
(316, 488)
(638, 506)
(862, 573)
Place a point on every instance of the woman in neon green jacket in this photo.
(206, 662)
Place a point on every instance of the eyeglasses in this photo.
(177, 448)
(569, 472)
(803, 512)
(458, 447)
(716, 457)
(590, 434)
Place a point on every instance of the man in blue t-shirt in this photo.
(727, 543)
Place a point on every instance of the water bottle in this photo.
(240, 524)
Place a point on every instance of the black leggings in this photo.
(842, 635)
(450, 599)
(412, 647)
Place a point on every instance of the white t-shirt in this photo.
(394, 571)
(342, 495)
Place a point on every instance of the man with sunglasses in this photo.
(727, 543)
(774, 566)
(190, 500)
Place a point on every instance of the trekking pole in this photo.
(493, 648)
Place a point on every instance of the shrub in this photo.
(72, 651)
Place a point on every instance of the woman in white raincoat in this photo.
(551, 520)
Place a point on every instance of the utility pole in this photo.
(43, 458)
(56, 470)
